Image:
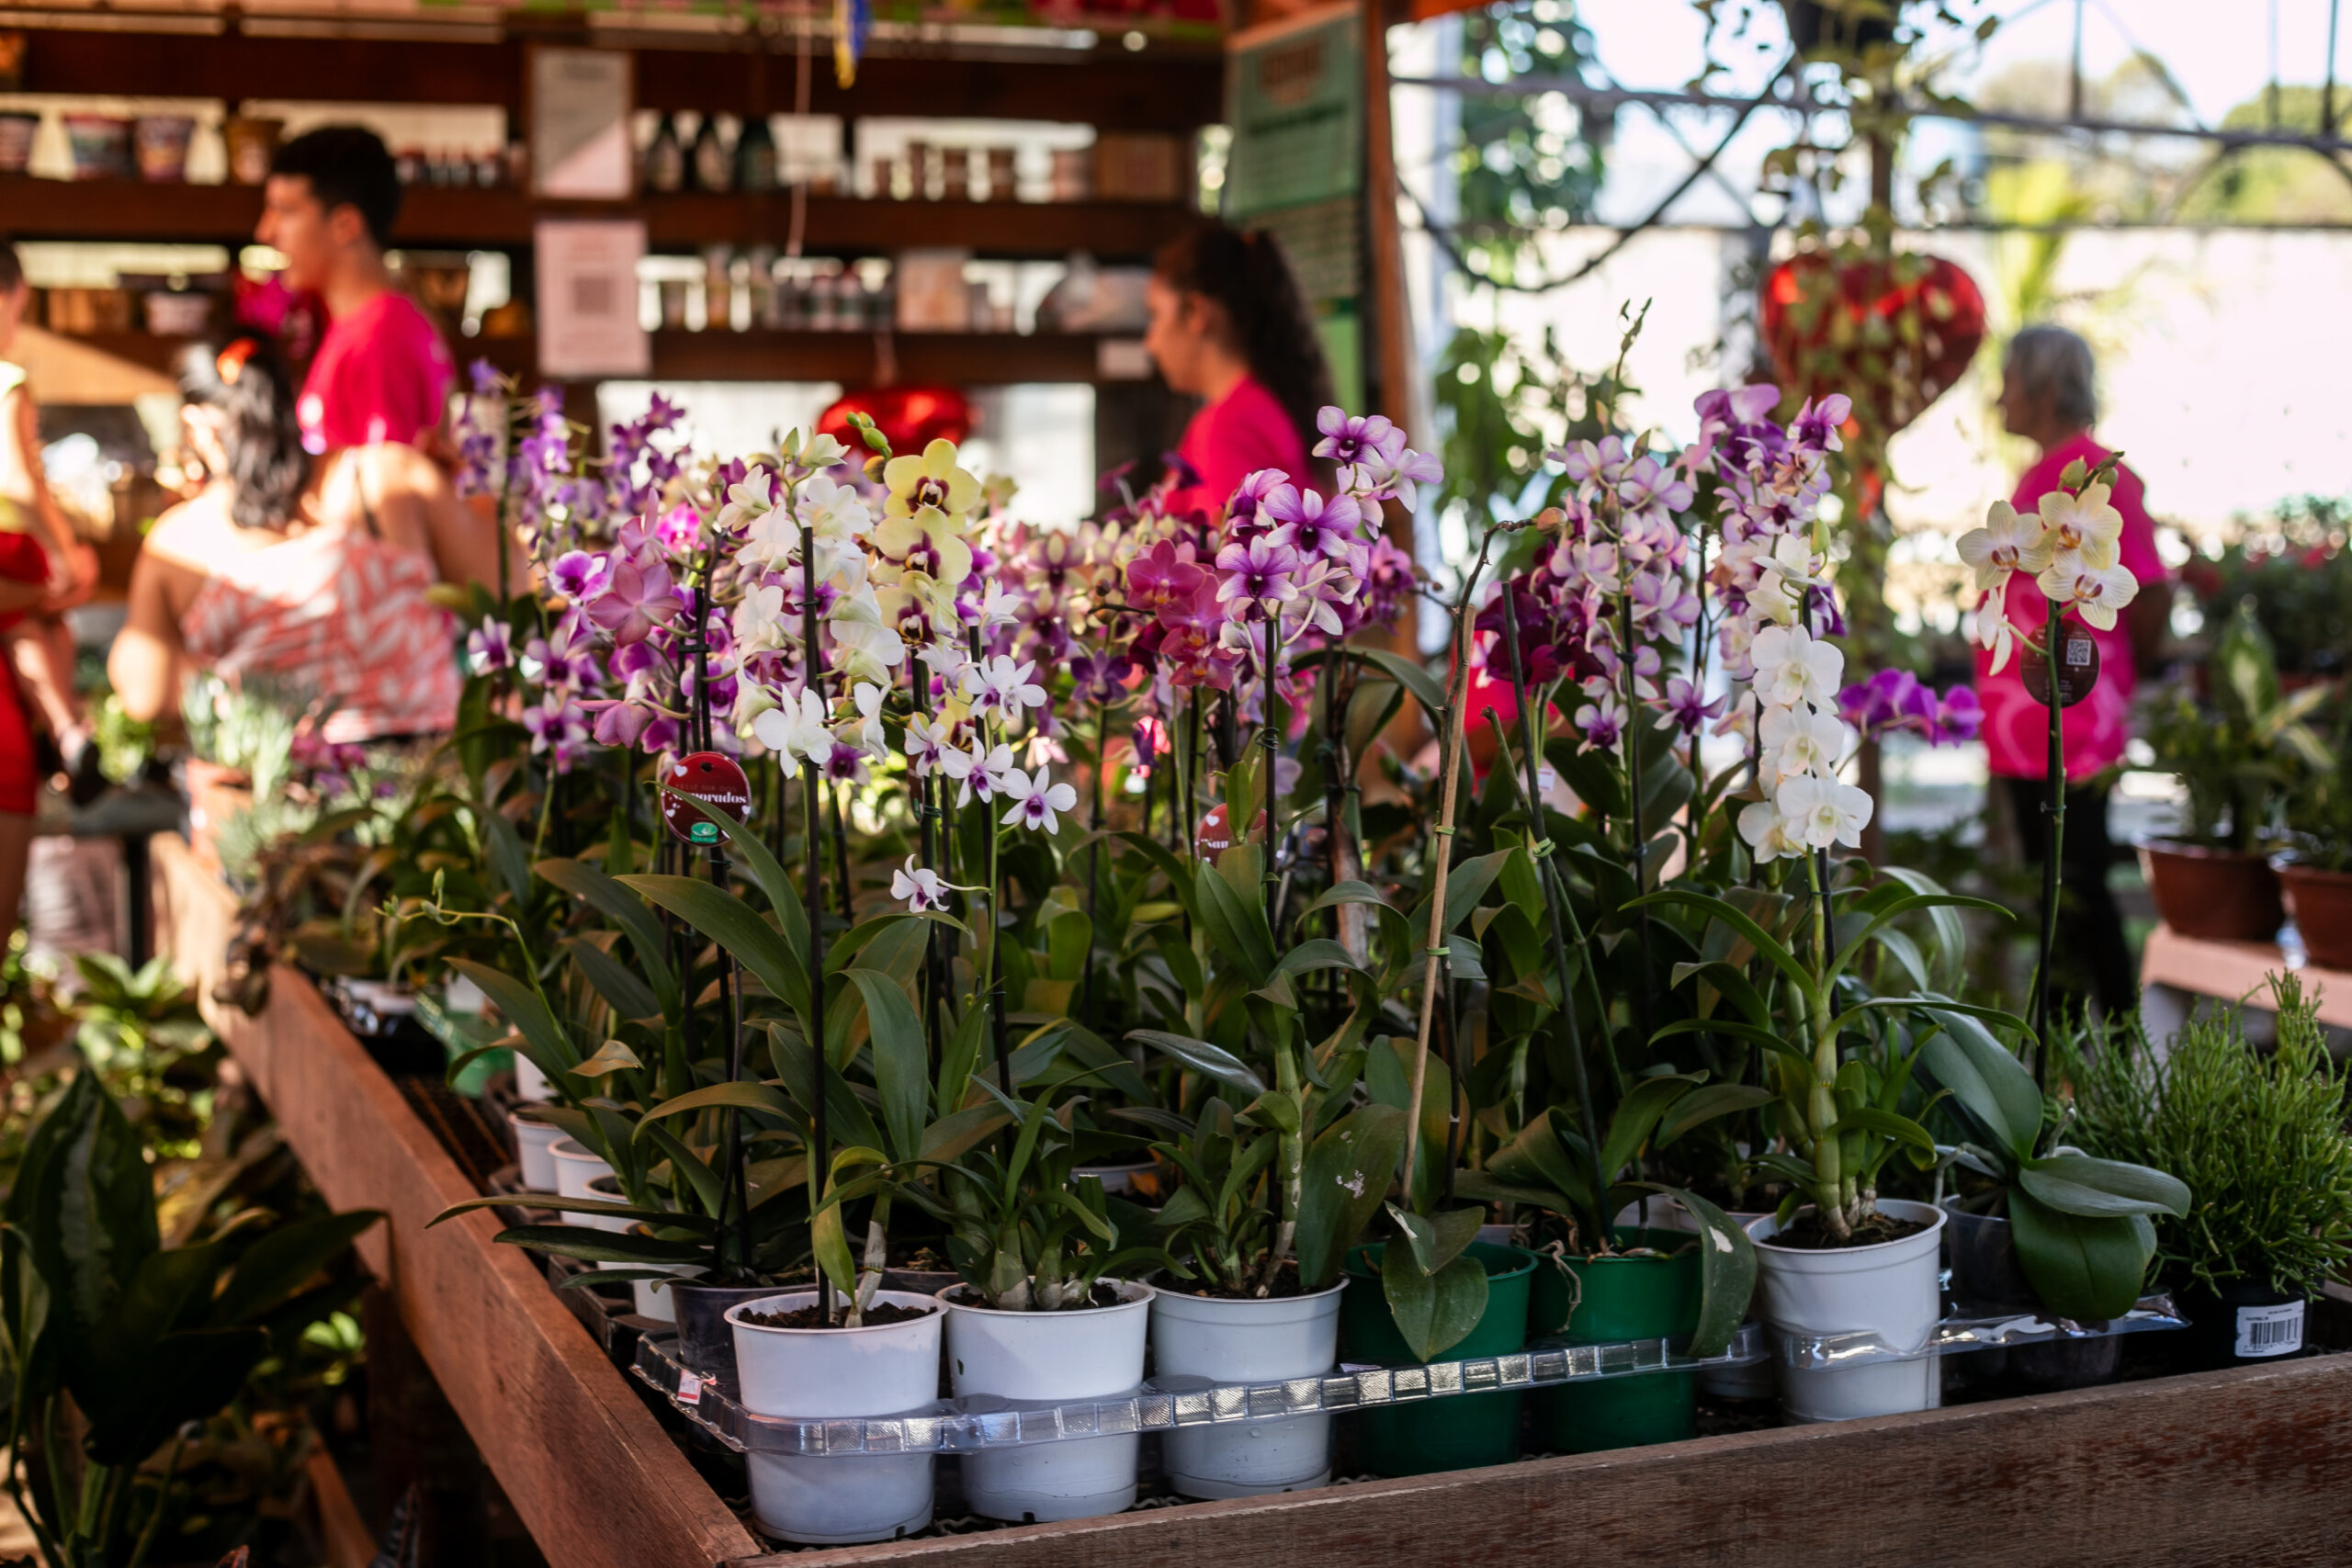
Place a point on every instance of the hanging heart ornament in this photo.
(1891, 332)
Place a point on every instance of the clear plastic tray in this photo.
(1166, 1403)
(1161, 1404)
(1958, 1335)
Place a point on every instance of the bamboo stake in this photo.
(1450, 766)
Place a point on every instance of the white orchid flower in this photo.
(871, 737)
(1793, 666)
(1821, 812)
(1794, 743)
(834, 512)
(2095, 591)
(2081, 524)
(2009, 541)
(1767, 832)
(758, 619)
(1035, 800)
(798, 727)
(1783, 576)
(748, 500)
(919, 886)
(926, 745)
(1993, 632)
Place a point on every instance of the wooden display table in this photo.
(2232, 972)
(585, 1463)
(2235, 1467)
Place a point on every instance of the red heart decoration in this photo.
(912, 417)
(1894, 334)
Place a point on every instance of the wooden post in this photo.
(1389, 333)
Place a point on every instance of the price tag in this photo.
(2077, 668)
(2270, 1330)
(708, 776)
(689, 1389)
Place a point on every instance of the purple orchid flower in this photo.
(637, 599)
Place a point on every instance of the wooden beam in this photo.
(587, 1466)
(1391, 326)
(439, 216)
(1162, 88)
(2240, 1468)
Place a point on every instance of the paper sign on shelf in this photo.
(587, 277)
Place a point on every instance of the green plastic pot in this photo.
(1616, 1299)
(1458, 1431)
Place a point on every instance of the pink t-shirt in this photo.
(1232, 438)
(382, 374)
(2016, 728)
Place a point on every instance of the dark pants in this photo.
(2090, 926)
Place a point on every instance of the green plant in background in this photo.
(2294, 569)
(2258, 1138)
(2081, 1225)
(125, 745)
(2239, 753)
(138, 1339)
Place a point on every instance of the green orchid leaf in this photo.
(2078, 1184)
(1989, 1083)
(1201, 1057)
(2083, 1266)
(1346, 1178)
(1433, 1312)
(1726, 1271)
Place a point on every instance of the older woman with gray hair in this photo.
(2050, 396)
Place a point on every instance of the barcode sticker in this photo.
(2270, 1330)
(689, 1389)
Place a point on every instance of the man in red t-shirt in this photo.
(382, 372)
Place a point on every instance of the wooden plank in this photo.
(447, 216)
(344, 1533)
(1163, 88)
(2220, 1468)
(587, 1466)
(2232, 970)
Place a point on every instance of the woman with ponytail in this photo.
(1228, 327)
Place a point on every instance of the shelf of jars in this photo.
(496, 217)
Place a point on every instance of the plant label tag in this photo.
(707, 776)
(2270, 1330)
(689, 1389)
(2077, 668)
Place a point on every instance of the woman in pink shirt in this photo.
(1228, 327)
(2049, 396)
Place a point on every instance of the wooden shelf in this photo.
(432, 215)
(955, 359)
(2232, 970)
(1168, 87)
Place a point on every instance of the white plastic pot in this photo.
(1091, 1353)
(530, 1084)
(881, 1370)
(576, 1171)
(533, 1142)
(1247, 1341)
(1889, 1289)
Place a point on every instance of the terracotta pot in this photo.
(2321, 902)
(215, 794)
(2217, 895)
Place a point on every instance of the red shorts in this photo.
(18, 778)
(21, 561)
